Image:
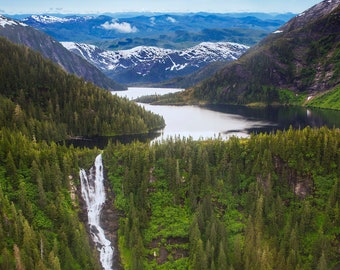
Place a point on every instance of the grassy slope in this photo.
(328, 100)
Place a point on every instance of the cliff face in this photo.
(302, 56)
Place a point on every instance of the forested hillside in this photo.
(39, 210)
(45, 103)
(299, 59)
(40, 225)
(268, 202)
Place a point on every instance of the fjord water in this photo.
(93, 193)
(226, 120)
(193, 121)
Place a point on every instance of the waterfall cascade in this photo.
(93, 192)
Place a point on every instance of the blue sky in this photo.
(101, 6)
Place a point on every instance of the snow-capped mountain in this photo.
(153, 64)
(9, 22)
(48, 19)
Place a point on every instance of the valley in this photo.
(156, 50)
(236, 166)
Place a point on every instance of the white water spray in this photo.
(93, 192)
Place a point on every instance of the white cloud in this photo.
(122, 27)
(170, 19)
(153, 21)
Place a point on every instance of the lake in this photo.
(228, 120)
(212, 121)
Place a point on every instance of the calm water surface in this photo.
(218, 120)
(136, 92)
(194, 121)
(225, 120)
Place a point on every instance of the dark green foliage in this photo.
(39, 225)
(267, 202)
(166, 99)
(45, 103)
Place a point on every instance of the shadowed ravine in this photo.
(94, 195)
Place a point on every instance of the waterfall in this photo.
(93, 192)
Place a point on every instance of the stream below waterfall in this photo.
(93, 193)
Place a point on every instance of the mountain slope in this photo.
(302, 56)
(21, 33)
(43, 102)
(151, 64)
(193, 78)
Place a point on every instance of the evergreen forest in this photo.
(41, 221)
(267, 202)
(270, 201)
(42, 101)
(40, 226)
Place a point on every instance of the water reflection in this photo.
(213, 121)
(202, 123)
(102, 141)
(283, 116)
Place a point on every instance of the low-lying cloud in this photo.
(171, 19)
(122, 27)
(153, 21)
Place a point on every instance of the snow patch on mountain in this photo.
(47, 19)
(153, 61)
(204, 52)
(6, 21)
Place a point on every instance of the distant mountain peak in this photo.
(7, 21)
(317, 11)
(49, 19)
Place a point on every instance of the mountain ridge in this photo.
(146, 64)
(113, 31)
